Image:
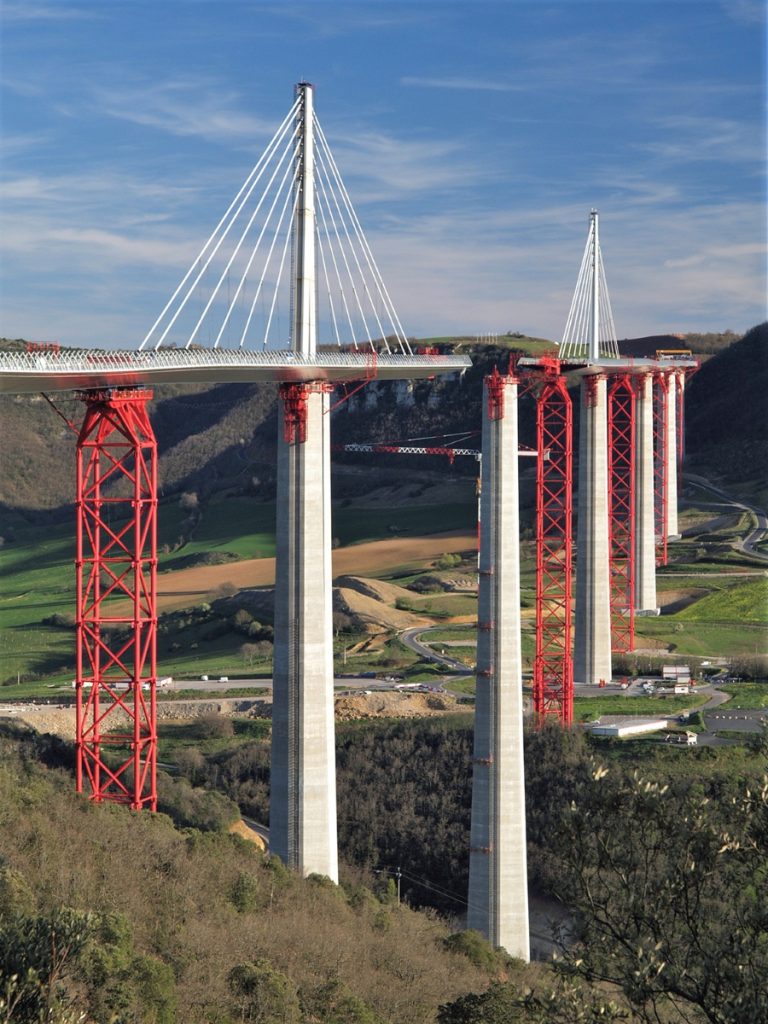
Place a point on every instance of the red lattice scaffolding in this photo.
(621, 511)
(553, 662)
(116, 567)
(660, 483)
(295, 396)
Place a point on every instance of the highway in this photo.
(260, 683)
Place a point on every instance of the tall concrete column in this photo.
(592, 627)
(680, 427)
(498, 882)
(302, 817)
(671, 400)
(302, 820)
(645, 539)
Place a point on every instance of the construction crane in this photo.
(450, 449)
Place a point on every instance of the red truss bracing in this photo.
(660, 486)
(553, 663)
(116, 567)
(295, 398)
(621, 511)
(495, 383)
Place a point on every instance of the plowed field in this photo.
(191, 586)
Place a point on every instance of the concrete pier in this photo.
(645, 539)
(302, 820)
(302, 817)
(592, 627)
(671, 400)
(498, 883)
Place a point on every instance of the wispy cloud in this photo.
(111, 190)
(745, 12)
(185, 107)
(386, 167)
(30, 11)
(330, 20)
(14, 145)
(707, 138)
(464, 83)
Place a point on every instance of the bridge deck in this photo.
(22, 372)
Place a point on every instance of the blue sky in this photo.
(474, 138)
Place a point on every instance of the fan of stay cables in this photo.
(238, 292)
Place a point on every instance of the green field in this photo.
(445, 604)
(241, 526)
(590, 708)
(458, 632)
(702, 639)
(746, 696)
(39, 582)
(741, 602)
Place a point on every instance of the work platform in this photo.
(29, 372)
(587, 367)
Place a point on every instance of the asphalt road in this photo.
(410, 638)
(259, 829)
(736, 721)
(260, 683)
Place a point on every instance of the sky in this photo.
(474, 138)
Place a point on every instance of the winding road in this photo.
(410, 638)
(760, 533)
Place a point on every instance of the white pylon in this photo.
(304, 334)
(590, 333)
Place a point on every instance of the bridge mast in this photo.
(304, 323)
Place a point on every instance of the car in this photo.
(223, 679)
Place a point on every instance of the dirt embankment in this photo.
(388, 704)
(60, 721)
(373, 613)
(672, 601)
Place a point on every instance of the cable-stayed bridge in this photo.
(286, 290)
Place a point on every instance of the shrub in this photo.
(448, 561)
(213, 726)
(244, 893)
(475, 948)
(62, 620)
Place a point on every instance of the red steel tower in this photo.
(116, 567)
(621, 510)
(553, 662)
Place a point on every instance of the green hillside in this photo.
(158, 925)
(726, 421)
(741, 602)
